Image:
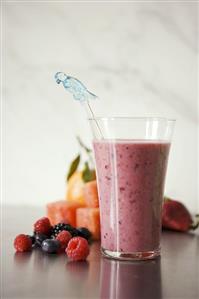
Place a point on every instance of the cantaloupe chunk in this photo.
(62, 211)
(89, 218)
(91, 194)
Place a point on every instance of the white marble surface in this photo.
(140, 58)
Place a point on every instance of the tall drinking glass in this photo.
(131, 157)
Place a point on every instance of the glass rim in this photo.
(151, 118)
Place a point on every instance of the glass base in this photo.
(131, 256)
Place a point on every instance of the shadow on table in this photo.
(36, 259)
(78, 269)
(22, 258)
(126, 280)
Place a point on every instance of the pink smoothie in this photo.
(131, 175)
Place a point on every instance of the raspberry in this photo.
(77, 249)
(42, 226)
(22, 243)
(63, 226)
(64, 237)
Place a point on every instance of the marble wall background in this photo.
(140, 58)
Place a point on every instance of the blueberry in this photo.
(84, 233)
(51, 245)
(39, 238)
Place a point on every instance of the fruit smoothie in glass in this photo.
(131, 175)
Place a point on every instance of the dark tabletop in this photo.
(38, 275)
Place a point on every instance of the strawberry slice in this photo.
(175, 216)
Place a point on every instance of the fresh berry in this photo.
(22, 243)
(51, 245)
(175, 216)
(42, 226)
(39, 238)
(84, 233)
(56, 229)
(72, 230)
(77, 249)
(63, 237)
(63, 226)
(32, 239)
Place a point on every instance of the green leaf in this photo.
(195, 223)
(88, 150)
(166, 198)
(73, 167)
(88, 174)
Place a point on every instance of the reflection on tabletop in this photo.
(124, 280)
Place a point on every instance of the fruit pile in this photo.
(59, 238)
(80, 208)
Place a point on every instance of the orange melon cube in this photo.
(62, 211)
(91, 194)
(89, 218)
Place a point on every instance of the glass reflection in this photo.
(124, 280)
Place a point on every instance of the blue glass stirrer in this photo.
(79, 92)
